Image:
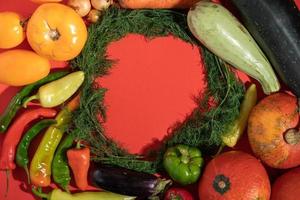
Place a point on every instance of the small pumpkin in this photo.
(287, 186)
(56, 32)
(271, 131)
(234, 175)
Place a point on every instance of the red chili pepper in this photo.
(178, 194)
(14, 134)
(79, 161)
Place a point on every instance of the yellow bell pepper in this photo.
(231, 137)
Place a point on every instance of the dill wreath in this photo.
(202, 129)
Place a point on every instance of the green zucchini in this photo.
(275, 25)
(217, 29)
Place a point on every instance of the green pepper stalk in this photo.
(183, 163)
(57, 194)
(57, 92)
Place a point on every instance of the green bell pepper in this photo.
(183, 163)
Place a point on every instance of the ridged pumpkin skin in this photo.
(246, 177)
(267, 124)
(287, 186)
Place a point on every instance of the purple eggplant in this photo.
(128, 182)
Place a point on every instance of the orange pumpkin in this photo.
(234, 175)
(271, 131)
(22, 67)
(56, 31)
(287, 186)
(11, 30)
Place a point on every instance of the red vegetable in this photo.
(14, 134)
(234, 175)
(287, 186)
(79, 161)
(178, 194)
(160, 4)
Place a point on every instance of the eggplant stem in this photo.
(161, 186)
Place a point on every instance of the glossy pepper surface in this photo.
(60, 169)
(183, 163)
(40, 166)
(16, 102)
(57, 92)
(79, 161)
(22, 158)
(14, 135)
(57, 194)
(231, 137)
(11, 32)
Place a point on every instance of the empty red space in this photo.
(152, 86)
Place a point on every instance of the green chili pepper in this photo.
(22, 158)
(17, 101)
(57, 194)
(60, 169)
(57, 92)
(231, 137)
(183, 163)
(40, 166)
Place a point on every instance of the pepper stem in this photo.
(27, 174)
(220, 149)
(78, 145)
(29, 99)
(7, 183)
(39, 193)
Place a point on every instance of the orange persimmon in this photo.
(22, 67)
(272, 133)
(11, 30)
(56, 31)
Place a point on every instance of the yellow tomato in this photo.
(56, 31)
(11, 30)
(21, 67)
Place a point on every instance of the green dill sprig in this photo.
(202, 129)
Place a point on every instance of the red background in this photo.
(150, 89)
